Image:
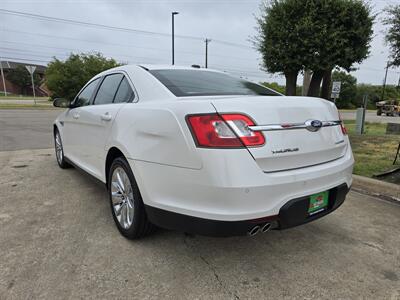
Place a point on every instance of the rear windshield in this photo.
(184, 83)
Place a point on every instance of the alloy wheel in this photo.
(59, 149)
(122, 197)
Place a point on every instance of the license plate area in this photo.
(318, 203)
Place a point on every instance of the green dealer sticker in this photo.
(318, 202)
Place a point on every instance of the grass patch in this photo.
(26, 106)
(369, 128)
(17, 97)
(373, 151)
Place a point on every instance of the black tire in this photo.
(140, 226)
(62, 163)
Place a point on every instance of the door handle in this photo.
(75, 116)
(106, 117)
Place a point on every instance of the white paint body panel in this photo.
(218, 184)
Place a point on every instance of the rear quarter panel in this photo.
(157, 132)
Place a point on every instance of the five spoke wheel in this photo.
(122, 197)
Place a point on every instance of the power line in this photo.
(114, 44)
(24, 59)
(88, 24)
(109, 27)
(64, 55)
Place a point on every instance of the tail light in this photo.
(344, 130)
(224, 131)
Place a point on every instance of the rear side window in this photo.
(84, 97)
(108, 89)
(124, 93)
(207, 83)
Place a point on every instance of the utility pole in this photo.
(207, 41)
(173, 35)
(384, 82)
(2, 78)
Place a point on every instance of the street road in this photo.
(370, 117)
(26, 129)
(58, 241)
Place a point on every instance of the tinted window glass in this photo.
(207, 83)
(124, 93)
(84, 97)
(108, 88)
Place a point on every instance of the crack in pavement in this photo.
(212, 269)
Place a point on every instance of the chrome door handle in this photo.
(106, 117)
(75, 116)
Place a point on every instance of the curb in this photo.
(381, 189)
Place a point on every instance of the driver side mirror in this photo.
(61, 102)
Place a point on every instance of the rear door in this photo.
(96, 120)
(289, 144)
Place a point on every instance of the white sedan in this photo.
(203, 152)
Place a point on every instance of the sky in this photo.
(230, 24)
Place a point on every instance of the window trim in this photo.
(133, 97)
(91, 100)
(101, 82)
(91, 96)
(125, 74)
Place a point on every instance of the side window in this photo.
(124, 93)
(84, 97)
(108, 88)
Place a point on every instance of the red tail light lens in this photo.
(224, 131)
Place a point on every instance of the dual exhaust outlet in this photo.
(259, 228)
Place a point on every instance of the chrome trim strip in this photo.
(309, 166)
(291, 126)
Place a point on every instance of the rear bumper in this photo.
(293, 213)
(231, 187)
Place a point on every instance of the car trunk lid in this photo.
(284, 121)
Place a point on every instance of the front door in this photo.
(96, 121)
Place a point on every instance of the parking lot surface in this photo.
(58, 241)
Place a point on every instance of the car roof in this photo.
(174, 67)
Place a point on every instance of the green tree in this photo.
(65, 78)
(393, 33)
(279, 27)
(295, 35)
(22, 78)
(348, 91)
(374, 93)
(275, 86)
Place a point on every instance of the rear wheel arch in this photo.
(55, 128)
(112, 154)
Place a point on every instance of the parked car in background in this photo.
(200, 151)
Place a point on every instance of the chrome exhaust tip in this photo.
(266, 227)
(254, 230)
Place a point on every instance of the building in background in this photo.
(40, 90)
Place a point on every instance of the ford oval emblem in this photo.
(313, 125)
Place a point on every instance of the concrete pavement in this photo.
(58, 241)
